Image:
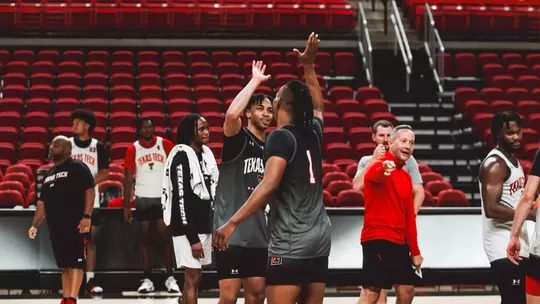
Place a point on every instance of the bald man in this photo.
(66, 199)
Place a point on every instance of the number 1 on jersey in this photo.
(311, 177)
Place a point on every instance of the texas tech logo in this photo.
(276, 261)
(260, 178)
(151, 165)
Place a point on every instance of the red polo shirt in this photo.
(389, 208)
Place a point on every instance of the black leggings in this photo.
(510, 279)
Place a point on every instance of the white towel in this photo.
(197, 183)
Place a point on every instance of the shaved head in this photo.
(60, 149)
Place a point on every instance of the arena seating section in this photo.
(487, 19)
(510, 81)
(178, 15)
(41, 88)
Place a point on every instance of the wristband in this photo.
(87, 216)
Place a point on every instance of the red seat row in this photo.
(177, 15)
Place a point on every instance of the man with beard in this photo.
(242, 168)
(381, 134)
(66, 200)
(501, 180)
(146, 159)
(389, 236)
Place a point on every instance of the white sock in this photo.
(89, 276)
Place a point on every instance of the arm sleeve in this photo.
(362, 164)
(232, 146)
(410, 226)
(535, 170)
(40, 177)
(129, 159)
(375, 173)
(280, 143)
(318, 126)
(414, 172)
(103, 156)
(182, 192)
(167, 146)
(84, 177)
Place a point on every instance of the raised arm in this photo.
(233, 123)
(307, 59)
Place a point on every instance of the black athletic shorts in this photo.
(69, 247)
(533, 267)
(148, 208)
(96, 217)
(241, 262)
(386, 264)
(286, 271)
(510, 280)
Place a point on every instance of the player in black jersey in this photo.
(241, 169)
(299, 227)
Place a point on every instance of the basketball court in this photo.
(333, 300)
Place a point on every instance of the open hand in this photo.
(257, 70)
(312, 46)
(84, 225)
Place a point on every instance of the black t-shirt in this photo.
(190, 215)
(64, 192)
(232, 146)
(102, 155)
(535, 170)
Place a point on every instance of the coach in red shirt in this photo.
(389, 237)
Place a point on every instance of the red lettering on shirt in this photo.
(517, 185)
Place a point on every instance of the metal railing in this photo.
(364, 44)
(434, 47)
(402, 42)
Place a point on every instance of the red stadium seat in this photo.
(465, 94)
(201, 68)
(157, 117)
(9, 135)
(11, 198)
(204, 79)
(216, 148)
(351, 170)
(333, 176)
(95, 105)
(365, 149)
(431, 176)
(151, 92)
(149, 79)
(335, 187)
(345, 106)
(123, 119)
(517, 94)
(179, 105)
(148, 67)
(375, 105)
(337, 151)
(15, 79)
(70, 67)
(66, 104)
(350, 198)
(176, 80)
(123, 135)
(41, 79)
(473, 107)
(64, 131)
(326, 168)
(97, 67)
(344, 64)
(498, 106)
(123, 105)
(62, 119)
(110, 183)
(435, 187)
(340, 92)
(327, 199)
(351, 120)
(94, 91)
(116, 176)
(429, 201)
(174, 68)
(178, 91)
(21, 168)
(358, 135)
(383, 115)
(465, 64)
(209, 105)
(19, 177)
(244, 57)
(365, 93)
(424, 168)
(11, 104)
(452, 197)
(530, 150)
(151, 105)
(37, 118)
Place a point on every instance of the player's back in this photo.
(299, 225)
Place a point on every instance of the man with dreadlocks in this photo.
(242, 169)
(189, 188)
(299, 247)
(502, 181)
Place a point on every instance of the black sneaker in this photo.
(91, 287)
